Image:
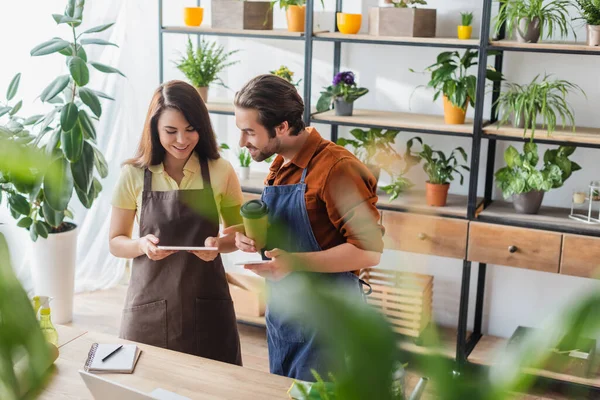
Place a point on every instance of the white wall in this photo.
(513, 297)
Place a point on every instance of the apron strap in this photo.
(205, 173)
(362, 287)
(303, 175)
(147, 180)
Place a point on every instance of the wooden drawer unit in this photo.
(425, 234)
(580, 256)
(514, 247)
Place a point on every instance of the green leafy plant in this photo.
(285, 73)
(590, 11)
(542, 97)
(399, 184)
(449, 77)
(466, 18)
(373, 146)
(343, 87)
(521, 176)
(408, 3)
(439, 167)
(41, 206)
(244, 157)
(553, 15)
(203, 66)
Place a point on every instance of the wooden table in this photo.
(190, 376)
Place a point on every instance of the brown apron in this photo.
(181, 302)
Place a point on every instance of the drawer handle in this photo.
(422, 236)
(512, 249)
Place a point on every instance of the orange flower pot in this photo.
(348, 24)
(436, 195)
(454, 115)
(295, 18)
(464, 32)
(192, 16)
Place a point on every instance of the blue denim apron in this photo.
(294, 349)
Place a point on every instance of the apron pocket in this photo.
(285, 331)
(146, 323)
(217, 336)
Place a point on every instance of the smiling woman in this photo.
(179, 187)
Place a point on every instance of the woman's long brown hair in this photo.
(183, 97)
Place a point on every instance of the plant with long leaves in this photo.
(449, 77)
(343, 87)
(521, 175)
(552, 15)
(590, 11)
(41, 207)
(439, 167)
(543, 98)
(244, 157)
(203, 66)
(466, 18)
(373, 147)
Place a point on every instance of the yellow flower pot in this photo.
(348, 24)
(192, 16)
(295, 18)
(454, 115)
(464, 32)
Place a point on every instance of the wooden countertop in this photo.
(190, 376)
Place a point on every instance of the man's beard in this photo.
(272, 147)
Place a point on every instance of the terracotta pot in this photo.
(295, 18)
(528, 30)
(203, 92)
(454, 115)
(436, 195)
(528, 203)
(593, 35)
(464, 32)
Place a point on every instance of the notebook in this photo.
(123, 361)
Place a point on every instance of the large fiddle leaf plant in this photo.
(66, 132)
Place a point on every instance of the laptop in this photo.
(104, 389)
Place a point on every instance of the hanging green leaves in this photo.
(13, 87)
(79, 70)
(72, 143)
(49, 47)
(87, 126)
(68, 116)
(52, 90)
(90, 99)
(83, 169)
(106, 68)
(58, 191)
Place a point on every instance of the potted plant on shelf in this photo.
(544, 98)
(449, 78)
(245, 159)
(465, 29)
(66, 133)
(287, 74)
(525, 184)
(374, 147)
(235, 14)
(343, 92)
(295, 13)
(532, 19)
(440, 170)
(403, 19)
(203, 66)
(590, 13)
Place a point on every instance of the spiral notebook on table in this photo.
(123, 361)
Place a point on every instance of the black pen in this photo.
(112, 352)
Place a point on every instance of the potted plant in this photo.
(245, 159)
(525, 184)
(449, 78)
(403, 19)
(440, 170)
(67, 133)
(465, 29)
(203, 66)
(343, 92)
(295, 13)
(246, 14)
(543, 98)
(532, 19)
(374, 147)
(285, 73)
(590, 13)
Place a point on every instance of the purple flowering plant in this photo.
(344, 87)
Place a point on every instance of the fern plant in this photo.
(553, 16)
(203, 66)
(590, 11)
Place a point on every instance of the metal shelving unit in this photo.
(477, 129)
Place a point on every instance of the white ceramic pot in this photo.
(244, 173)
(53, 272)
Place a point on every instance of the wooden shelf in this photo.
(546, 47)
(551, 218)
(584, 135)
(220, 107)
(447, 348)
(203, 30)
(489, 347)
(415, 202)
(255, 184)
(406, 41)
(396, 120)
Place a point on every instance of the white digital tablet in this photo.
(185, 248)
(252, 262)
